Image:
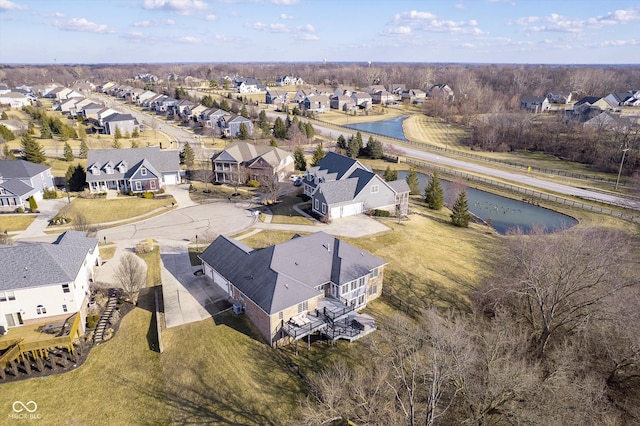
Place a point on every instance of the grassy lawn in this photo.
(101, 210)
(15, 222)
(219, 192)
(434, 131)
(268, 238)
(283, 211)
(107, 251)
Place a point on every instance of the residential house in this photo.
(132, 169)
(144, 96)
(342, 103)
(363, 100)
(69, 105)
(47, 282)
(560, 97)
(340, 186)
(616, 100)
(249, 85)
(230, 125)
(318, 103)
(14, 100)
(313, 284)
(607, 121)
(343, 91)
(91, 110)
(4, 89)
(165, 104)
(375, 88)
(383, 97)
(414, 96)
(211, 117)
(19, 180)
(289, 80)
(442, 91)
(534, 103)
(396, 88)
(259, 161)
(276, 97)
(127, 123)
(301, 95)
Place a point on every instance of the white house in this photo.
(47, 282)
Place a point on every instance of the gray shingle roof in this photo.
(286, 274)
(16, 187)
(35, 265)
(162, 161)
(400, 186)
(244, 152)
(20, 169)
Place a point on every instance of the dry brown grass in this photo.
(101, 210)
(15, 222)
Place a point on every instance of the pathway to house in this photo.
(48, 209)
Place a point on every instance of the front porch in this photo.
(119, 185)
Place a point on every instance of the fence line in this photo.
(529, 192)
(430, 147)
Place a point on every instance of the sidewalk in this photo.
(48, 209)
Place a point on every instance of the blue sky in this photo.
(494, 31)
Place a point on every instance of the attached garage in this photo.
(346, 210)
(170, 179)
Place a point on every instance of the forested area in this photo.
(552, 338)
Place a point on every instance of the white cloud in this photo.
(146, 23)
(617, 17)
(284, 16)
(558, 23)
(6, 5)
(222, 37)
(190, 39)
(468, 45)
(82, 25)
(182, 7)
(211, 17)
(282, 28)
(459, 6)
(137, 36)
(285, 2)
(307, 37)
(143, 24)
(615, 43)
(427, 21)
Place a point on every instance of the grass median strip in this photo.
(15, 222)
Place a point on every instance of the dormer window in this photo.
(95, 170)
(108, 170)
(143, 171)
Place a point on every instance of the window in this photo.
(143, 171)
(7, 295)
(324, 208)
(317, 204)
(303, 307)
(354, 285)
(374, 273)
(64, 308)
(361, 300)
(361, 282)
(152, 184)
(375, 189)
(138, 186)
(344, 289)
(41, 310)
(373, 290)
(65, 288)
(280, 316)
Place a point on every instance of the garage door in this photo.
(170, 179)
(351, 209)
(222, 283)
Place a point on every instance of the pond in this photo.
(391, 127)
(504, 213)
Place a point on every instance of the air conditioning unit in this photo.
(237, 308)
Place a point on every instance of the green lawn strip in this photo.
(101, 210)
(15, 222)
(269, 237)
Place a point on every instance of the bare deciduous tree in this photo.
(81, 223)
(131, 275)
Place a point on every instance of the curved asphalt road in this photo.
(518, 178)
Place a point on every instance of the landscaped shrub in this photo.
(148, 195)
(160, 191)
(130, 193)
(253, 183)
(92, 321)
(381, 213)
(20, 210)
(191, 188)
(50, 194)
(33, 205)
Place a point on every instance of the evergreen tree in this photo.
(243, 112)
(273, 142)
(127, 135)
(412, 181)
(134, 143)
(33, 205)
(32, 150)
(374, 149)
(118, 134)
(6, 153)
(116, 144)
(279, 129)
(68, 152)
(309, 130)
(187, 156)
(299, 160)
(135, 133)
(84, 149)
(460, 212)
(341, 142)
(75, 177)
(6, 134)
(243, 132)
(224, 105)
(359, 141)
(82, 133)
(318, 155)
(433, 192)
(390, 174)
(45, 131)
(262, 118)
(4, 116)
(353, 148)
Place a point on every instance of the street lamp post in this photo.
(197, 247)
(624, 151)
